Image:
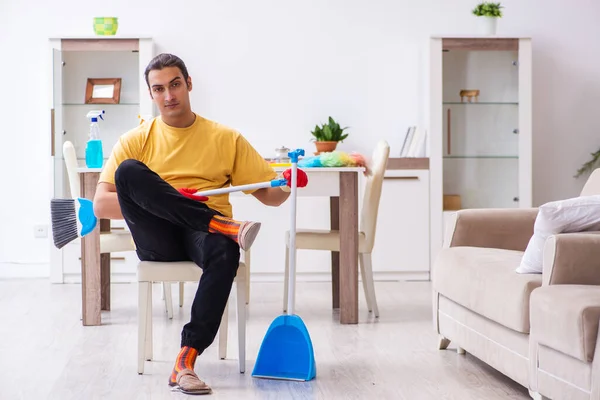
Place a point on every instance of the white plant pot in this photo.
(487, 25)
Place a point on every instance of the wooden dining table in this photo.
(340, 185)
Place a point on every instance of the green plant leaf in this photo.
(327, 134)
(589, 166)
(488, 9)
(317, 133)
(331, 131)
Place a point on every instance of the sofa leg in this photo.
(443, 343)
(460, 350)
(537, 396)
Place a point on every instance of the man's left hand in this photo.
(189, 193)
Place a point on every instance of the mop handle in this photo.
(292, 245)
(251, 186)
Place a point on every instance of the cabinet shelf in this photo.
(482, 103)
(484, 157)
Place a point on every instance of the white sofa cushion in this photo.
(577, 214)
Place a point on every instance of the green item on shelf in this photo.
(106, 26)
(488, 9)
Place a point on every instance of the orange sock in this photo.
(185, 359)
(225, 226)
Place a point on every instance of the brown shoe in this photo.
(247, 233)
(189, 383)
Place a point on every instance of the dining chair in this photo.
(329, 240)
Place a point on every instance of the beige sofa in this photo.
(540, 330)
(564, 343)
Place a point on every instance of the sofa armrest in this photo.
(572, 258)
(506, 228)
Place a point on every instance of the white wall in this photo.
(273, 69)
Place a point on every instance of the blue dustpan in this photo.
(286, 351)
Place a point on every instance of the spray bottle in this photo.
(94, 157)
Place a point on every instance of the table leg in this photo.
(90, 261)
(105, 270)
(334, 208)
(348, 247)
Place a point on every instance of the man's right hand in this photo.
(189, 193)
(301, 178)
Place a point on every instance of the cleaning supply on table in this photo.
(334, 159)
(94, 156)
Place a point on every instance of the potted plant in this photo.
(487, 14)
(327, 136)
(589, 166)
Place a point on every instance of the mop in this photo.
(286, 351)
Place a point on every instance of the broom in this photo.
(73, 218)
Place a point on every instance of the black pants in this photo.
(167, 226)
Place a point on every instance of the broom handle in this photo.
(251, 186)
(292, 271)
(292, 245)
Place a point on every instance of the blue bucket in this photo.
(286, 351)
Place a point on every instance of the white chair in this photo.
(152, 271)
(246, 259)
(330, 239)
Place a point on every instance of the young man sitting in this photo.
(149, 180)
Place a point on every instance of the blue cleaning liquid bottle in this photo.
(94, 157)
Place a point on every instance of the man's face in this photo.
(170, 92)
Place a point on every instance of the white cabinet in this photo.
(479, 107)
(401, 250)
(74, 60)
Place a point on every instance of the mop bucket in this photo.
(287, 351)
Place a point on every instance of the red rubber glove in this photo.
(302, 180)
(189, 193)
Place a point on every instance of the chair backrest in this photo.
(71, 163)
(592, 186)
(372, 195)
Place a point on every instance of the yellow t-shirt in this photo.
(204, 156)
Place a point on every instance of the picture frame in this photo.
(103, 91)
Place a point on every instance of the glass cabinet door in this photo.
(75, 61)
(480, 127)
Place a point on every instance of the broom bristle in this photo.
(64, 221)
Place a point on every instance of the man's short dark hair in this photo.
(165, 60)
